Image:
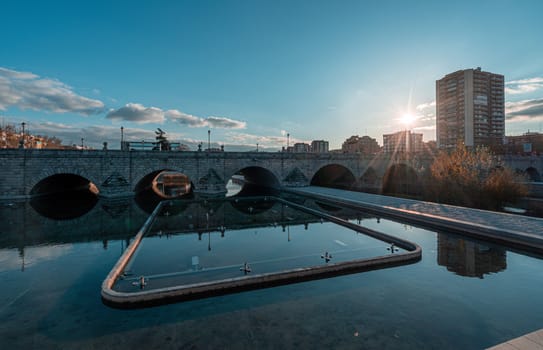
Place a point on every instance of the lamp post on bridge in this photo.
(122, 137)
(209, 140)
(22, 142)
(288, 139)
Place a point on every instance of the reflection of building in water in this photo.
(467, 258)
(172, 184)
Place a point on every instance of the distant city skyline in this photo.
(254, 71)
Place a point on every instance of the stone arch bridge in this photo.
(28, 172)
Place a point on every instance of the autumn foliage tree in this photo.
(473, 178)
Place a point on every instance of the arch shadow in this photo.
(334, 176)
(255, 181)
(401, 180)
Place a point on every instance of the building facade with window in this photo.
(402, 142)
(363, 145)
(470, 109)
(319, 146)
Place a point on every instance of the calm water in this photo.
(290, 240)
(462, 295)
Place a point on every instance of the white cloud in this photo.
(185, 119)
(26, 90)
(225, 123)
(137, 113)
(524, 110)
(523, 86)
(197, 122)
(425, 107)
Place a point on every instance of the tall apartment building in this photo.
(402, 142)
(470, 109)
(319, 146)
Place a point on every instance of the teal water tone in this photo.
(462, 294)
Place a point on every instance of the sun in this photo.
(407, 119)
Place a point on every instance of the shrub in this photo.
(472, 178)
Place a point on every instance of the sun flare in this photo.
(407, 119)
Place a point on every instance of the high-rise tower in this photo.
(470, 109)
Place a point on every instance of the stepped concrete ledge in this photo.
(515, 230)
(529, 341)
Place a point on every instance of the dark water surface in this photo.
(462, 295)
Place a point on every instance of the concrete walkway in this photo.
(529, 341)
(521, 231)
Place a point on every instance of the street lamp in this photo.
(209, 140)
(82, 139)
(288, 138)
(122, 137)
(257, 147)
(22, 142)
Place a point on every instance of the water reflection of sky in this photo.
(13, 259)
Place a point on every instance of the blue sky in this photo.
(252, 71)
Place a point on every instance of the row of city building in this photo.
(399, 142)
(410, 142)
(470, 110)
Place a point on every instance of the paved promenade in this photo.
(529, 341)
(522, 231)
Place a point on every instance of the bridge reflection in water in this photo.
(28, 225)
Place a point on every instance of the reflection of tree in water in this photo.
(467, 258)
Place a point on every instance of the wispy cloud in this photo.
(426, 107)
(135, 112)
(198, 122)
(225, 123)
(523, 86)
(425, 128)
(426, 112)
(27, 90)
(94, 135)
(524, 110)
(272, 142)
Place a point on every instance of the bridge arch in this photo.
(60, 180)
(257, 179)
(334, 175)
(149, 181)
(63, 196)
(401, 179)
